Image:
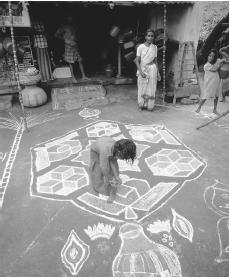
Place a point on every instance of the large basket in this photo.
(29, 79)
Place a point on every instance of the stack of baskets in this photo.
(31, 76)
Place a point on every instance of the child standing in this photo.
(104, 169)
(211, 86)
(68, 33)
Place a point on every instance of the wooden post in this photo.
(164, 51)
(184, 47)
(196, 66)
(16, 65)
(119, 61)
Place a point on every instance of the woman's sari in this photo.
(147, 86)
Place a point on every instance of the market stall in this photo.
(13, 15)
(107, 41)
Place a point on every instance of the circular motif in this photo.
(89, 113)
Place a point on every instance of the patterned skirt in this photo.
(147, 88)
(44, 64)
(71, 54)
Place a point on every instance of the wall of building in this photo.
(183, 24)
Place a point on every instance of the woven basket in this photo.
(28, 79)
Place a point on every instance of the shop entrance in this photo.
(94, 22)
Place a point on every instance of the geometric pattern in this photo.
(63, 180)
(74, 253)
(57, 150)
(216, 198)
(139, 256)
(152, 135)
(173, 163)
(162, 166)
(102, 129)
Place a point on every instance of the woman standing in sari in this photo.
(147, 72)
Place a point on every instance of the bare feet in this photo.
(74, 80)
(215, 112)
(140, 109)
(111, 199)
(112, 195)
(197, 110)
(93, 191)
(85, 78)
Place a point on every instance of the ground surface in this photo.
(49, 222)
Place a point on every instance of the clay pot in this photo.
(224, 71)
(33, 96)
(140, 257)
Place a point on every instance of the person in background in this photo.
(211, 86)
(104, 169)
(41, 47)
(68, 33)
(224, 52)
(147, 72)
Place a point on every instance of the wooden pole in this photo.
(184, 46)
(119, 61)
(196, 66)
(213, 120)
(164, 51)
(16, 65)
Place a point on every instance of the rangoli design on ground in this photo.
(74, 253)
(216, 198)
(60, 169)
(100, 230)
(17, 124)
(140, 257)
(2, 156)
(182, 226)
(87, 113)
(160, 226)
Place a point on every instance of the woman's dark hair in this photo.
(215, 55)
(149, 31)
(125, 149)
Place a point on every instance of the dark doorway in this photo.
(94, 21)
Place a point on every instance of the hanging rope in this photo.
(16, 65)
(164, 50)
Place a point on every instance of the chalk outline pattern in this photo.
(100, 230)
(17, 124)
(75, 267)
(224, 216)
(168, 255)
(127, 125)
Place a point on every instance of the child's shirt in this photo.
(212, 67)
